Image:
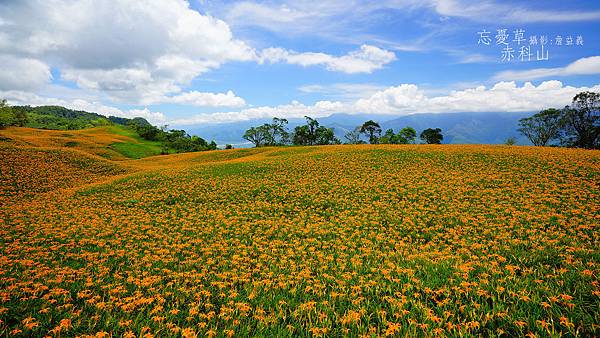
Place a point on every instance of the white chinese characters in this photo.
(527, 48)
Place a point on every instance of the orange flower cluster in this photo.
(362, 240)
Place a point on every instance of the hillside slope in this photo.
(405, 240)
(111, 142)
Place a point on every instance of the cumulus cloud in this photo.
(16, 97)
(148, 53)
(584, 66)
(127, 49)
(22, 73)
(365, 60)
(501, 97)
(407, 99)
(294, 109)
(345, 91)
(202, 99)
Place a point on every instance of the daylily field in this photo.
(382, 240)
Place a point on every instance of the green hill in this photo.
(148, 140)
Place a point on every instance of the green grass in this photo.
(139, 149)
(135, 150)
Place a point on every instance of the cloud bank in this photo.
(584, 66)
(407, 99)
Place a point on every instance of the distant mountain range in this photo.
(457, 128)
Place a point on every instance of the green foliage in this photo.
(432, 136)
(255, 135)
(542, 127)
(511, 141)
(577, 125)
(404, 136)
(388, 137)
(6, 115)
(312, 133)
(582, 121)
(371, 129)
(276, 134)
(180, 141)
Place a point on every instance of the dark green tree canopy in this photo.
(542, 127)
(276, 134)
(577, 125)
(582, 121)
(371, 129)
(432, 136)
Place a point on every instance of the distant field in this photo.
(299, 241)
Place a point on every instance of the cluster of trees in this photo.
(312, 133)
(10, 116)
(178, 140)
(577, 125)
(277, 134)
(407, 135)
(53, 117)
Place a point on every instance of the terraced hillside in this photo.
(301, 241)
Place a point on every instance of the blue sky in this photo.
(187, 63)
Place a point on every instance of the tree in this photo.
(372, 129)
(324, 136)
(312, 133)
(148, 132)
(542, 127)
(301, 135)
(306, 134)
(353, 137)
(388, 137)
(312, 125)
(406, 135)
(20, 118)
(582, 121)
(432, 136)
(7, 118)
(255, 135)
(276, 132)
(511, 141)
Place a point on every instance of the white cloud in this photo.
(339, 20)
(365, 60)
(408, 99)
(152, 117)
(335, 18)
(399, 99)
(22, 73)
(490, 11)
(16, 97)
(502, 97)
(584, 66)
(294, 109)
(146, 48)
(202, 99)
(345, 91)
